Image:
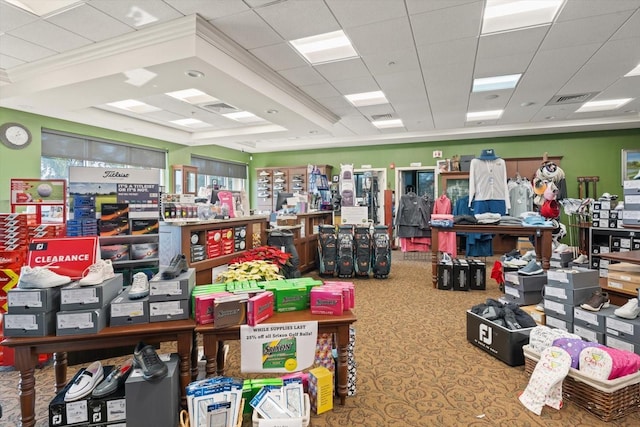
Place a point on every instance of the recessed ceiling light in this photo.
(327, 47)
(550, 117)
(139, 77)
(272, 111)
(495, 83)
(605, 105)
(244, 117)
(634, 72)
(192, 96)
(484, 115)
(194, 73)
(504, 15)
(40, 8)
(191, 123)
(492, 96)
(527, 104)
(134, 106)
(313, 132)
(385, 124)
(367, 98)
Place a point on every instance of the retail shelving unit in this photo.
(273, 180)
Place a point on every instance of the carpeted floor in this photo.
(415, 366)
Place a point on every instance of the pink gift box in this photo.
(260, 308)
(326, 300)
(204, 306)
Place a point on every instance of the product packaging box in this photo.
(321, 389)
(626, 329)
(594, 320)
(113, 227)
(80, 201)
(76, 297)
(326, 301)
(624, 276)
(110, 410)
(588, 334)
(155, 403)
(293, 298)
(565, 295)
(445, 276)
(537, 315)
(501, 343)
(461, 278)
(178, 288)
(29, 325)
(62, 413)
(560, 260)
(515, 295)
(116, 253)
(144, 226)
(114, 211)
(260, 307)
(229, 311)
(80, 322)
(614, 341)
(525, 284)
(477, 275)
(554, 322)
(558, 310)
(142, 251)
(24, 301)
(125, 311)
(204, 306)
(574, 278)
(163, 311)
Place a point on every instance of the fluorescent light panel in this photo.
(40, 7)
(634, 72)
(484, 115)
(192, 96)
(385, 124)
(334, 46)
(604, 105)
(134, 106)
(505, 15)
(496, 83)
(191, 123)
(367, 98)
(244, 117)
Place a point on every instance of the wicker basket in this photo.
(606, 399)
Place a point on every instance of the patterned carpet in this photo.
(415, 366)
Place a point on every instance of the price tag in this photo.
(167, 308)
(555, 292)
(77, 412)
(75, 321)
(558, 276)
(165, 288)
(79, 296)
(130, 309)
(116, 410)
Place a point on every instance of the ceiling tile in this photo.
(247, 29)
(208, 9)
(22, 49)
(338, 105)
(12, 17)
(575, 9)
(502, 66)
(392, 35)
(302, 76)
(440, 53)
(137, 13)
(623, 88)
(311, 17)
(320, 91)
(402, 87)
(479, 101)
(279, 56)
(356, 85)
(50, 36)
(584, 31)
(7, 62)
(343, 70)
(512, 42)
(419, 6)
(90, 23)
(631, 28)
(391, 62)
(447, 24)
(354, 13)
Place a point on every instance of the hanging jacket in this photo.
(413, 216)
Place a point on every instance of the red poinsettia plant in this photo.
(264, 253)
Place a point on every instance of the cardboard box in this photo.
(260, 307)
(588, 334)
(114, 211)
(574, 278)
(33, 300)
(560, 260)
(178, 288)
(62, 413)
(141, 251)
(163, 311)
(554, 322)
(626, 329)
(109, 409)
(29, 325)
(526, 283)
(125, 311)
(621, 344)
(515, 295)
(558, 310)
(113, 228)
(155, 403)
(501, 343)
(592, 320)
(537, 315)
(570, 297)
(625, 276)
(76, 297)
(320, 389)
(292, 298)
(115, 253)
(144, 226)
(229, 311)
(81, 321)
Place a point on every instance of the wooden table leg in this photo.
(434, 257)
(60, 369)
(185, 341)
(221, 359)
(545, 248)
(194, 357)
(343, 369)
(210, 347)
(25, 361)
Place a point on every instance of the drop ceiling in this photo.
(423, 54)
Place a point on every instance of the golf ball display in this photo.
(44, 190)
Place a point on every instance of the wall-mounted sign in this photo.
(37, 191)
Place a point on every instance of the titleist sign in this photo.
(115, 174)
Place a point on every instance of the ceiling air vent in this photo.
(578, 98)
(219, 108)
(377, 117)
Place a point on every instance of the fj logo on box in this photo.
(486, 334)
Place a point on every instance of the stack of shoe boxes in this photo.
(523, 290)
(590, 325)
(623, 334)
(127, 311)
(169, 299)
(560, 259)
(32, 312)
(85, 309)
(566, 289)
(631, 213)
(605, 215)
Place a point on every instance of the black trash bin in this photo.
(283, 240)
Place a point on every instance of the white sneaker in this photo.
(561, 248)
(140, 286)
(628, 311)
(40, 278)
(582, 259)
(278, 173)
(279, 180)
(97, 273)
(529, 255)
(264, 173)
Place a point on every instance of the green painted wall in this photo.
(584, 154)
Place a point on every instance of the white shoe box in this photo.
(174, 289)
(29, 325)
(76, 297)
(515, 295)
(125, 311)
(565, 295)
(33, 300)
(554, 322)
(621, 344)
(524, 283)
(163, 311)
(154, 403)
(574, 278)
(594, 320)
(588, 334)
(80, 322)
(626, 329)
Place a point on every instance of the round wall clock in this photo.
(15, 135)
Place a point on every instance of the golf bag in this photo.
(347, 185)
(345, 251)
(327, 250)
(362, 253)
(381, 252)
(283, 240)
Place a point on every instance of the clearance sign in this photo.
(68, 256)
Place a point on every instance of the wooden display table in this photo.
(28, 348)
(542, 244)
(339, 325)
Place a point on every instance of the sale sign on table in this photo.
(68, 256)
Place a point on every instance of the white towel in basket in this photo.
(542, 337)
(545, 384)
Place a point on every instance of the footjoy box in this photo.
(502, 343)
(76, 297)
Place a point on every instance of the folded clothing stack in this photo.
(509, 315)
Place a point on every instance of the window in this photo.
(221, 173)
